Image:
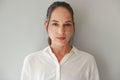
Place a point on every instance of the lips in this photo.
(61, 38)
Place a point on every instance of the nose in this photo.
(61, 30)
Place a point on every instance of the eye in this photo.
(67, 24)
(55, 24)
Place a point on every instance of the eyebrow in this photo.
(55, 21)
(58, 21)
(68, 21)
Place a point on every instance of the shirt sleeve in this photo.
(26, 73)
(93, 74)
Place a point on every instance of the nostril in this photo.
(61, 31)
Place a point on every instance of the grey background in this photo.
(22, 32)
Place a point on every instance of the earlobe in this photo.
(45, 23)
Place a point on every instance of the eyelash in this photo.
(56, 24)
(67, 24)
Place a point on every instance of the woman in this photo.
(60, 60)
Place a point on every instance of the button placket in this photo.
(59, 64)
(58, 67)
(58, 72)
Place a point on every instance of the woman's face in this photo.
(60, 27)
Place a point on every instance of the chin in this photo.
(62, 43)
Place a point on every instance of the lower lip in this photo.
(61, 38)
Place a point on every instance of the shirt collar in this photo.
(73, 50)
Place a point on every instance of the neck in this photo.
(60, 51)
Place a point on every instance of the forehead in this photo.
(61, 14)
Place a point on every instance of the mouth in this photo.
(61, 38)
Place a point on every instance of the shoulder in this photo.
(36, 55)
(83, 55)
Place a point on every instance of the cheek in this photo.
(70, 32)
(51, 31)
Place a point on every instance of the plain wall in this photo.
(22, 32)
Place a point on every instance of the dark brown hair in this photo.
(55, 5)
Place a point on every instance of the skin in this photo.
(60, 30)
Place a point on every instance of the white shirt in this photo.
(43, 65)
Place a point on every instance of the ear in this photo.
(46, 25)
(74, 24)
